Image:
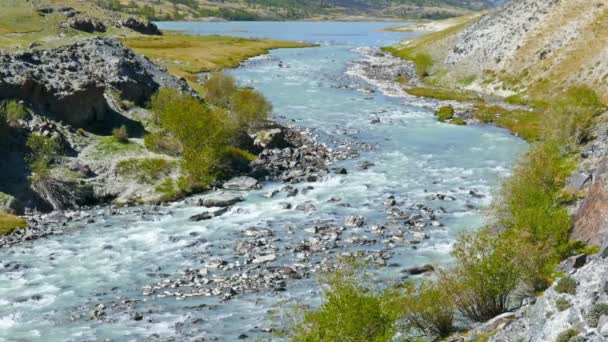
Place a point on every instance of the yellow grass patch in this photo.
(186, 55)
(10, 223)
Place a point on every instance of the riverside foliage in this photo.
(526, 237)
(203, 132)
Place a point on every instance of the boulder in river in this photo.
(208, 215)
(241, 184)
(222, 199)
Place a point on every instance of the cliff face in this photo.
(541, 44)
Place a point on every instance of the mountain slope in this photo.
(542, 44)
(298, 9)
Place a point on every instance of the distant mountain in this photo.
(297, 9)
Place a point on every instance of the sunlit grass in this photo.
(187, 55)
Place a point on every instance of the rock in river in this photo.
(241, 184)
(222, 199)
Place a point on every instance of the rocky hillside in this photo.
(536, 45)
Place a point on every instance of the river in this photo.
(50, 287)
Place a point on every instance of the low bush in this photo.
(485, 275)
(219, 89)
(571, 117)
(12, 111)
(249, 107)
(10, 223)
(566, 285)
(42, 152)
(163, 144)
(428, 308)
(171, 190)
(595, 313)
(445, 113)
(562, 304)
(569, 335)
(202, 132)
(121, 134)
(524, 123)
(145, 170)
(350, 312)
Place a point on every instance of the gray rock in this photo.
(222, 199)
(89, 25)
(261, 259)
(354, 221)
(421, 269)
(241, 184)
(578, 181)
(142, 26)
(306, 207)
(208, 215)
(70, 83)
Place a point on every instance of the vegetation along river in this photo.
(415, 184)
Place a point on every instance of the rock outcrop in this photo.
(142, 26)
(71, 83)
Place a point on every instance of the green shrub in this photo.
(571, 117)
(249, 107)
(202, 132)
(163, 143)
(219, 89)
(529, 203)
(516, 99)
(562, 304)
(121, 135)
(458, 122)
(567, 336)
(566, 285)
(595, 313)
(173, 190)
(10, 223)
(146, 170)
(42, 151)
(350, 312)
(445, 113)
(12, 112)
(428, 308)
(484, 277)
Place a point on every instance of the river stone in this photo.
(421, 269)
(354, 221)
(306, 207)
(578, 181)
(222, 199)
(208, 215)
(260, 259)
(241, 184)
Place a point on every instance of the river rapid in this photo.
(93, 282)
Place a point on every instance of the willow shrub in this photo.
(203, 132)
(485, 275)
(350, 312)
(428, 308)
(219, 89)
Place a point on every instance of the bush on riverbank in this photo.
(203, 132)
(10, 223)
(42, 151)
(528, 232)
(351, 312)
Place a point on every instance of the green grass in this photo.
(566, 285)
(147, 170)
(523, 123)
(443, 94)
(9, 223)
(109, 145)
